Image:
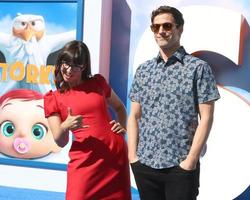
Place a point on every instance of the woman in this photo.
(98, 167)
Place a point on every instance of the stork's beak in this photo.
(28, 34)
(25, 34)
(39, 34)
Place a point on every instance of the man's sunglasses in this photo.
(166, 26)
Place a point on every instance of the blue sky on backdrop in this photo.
(58, 16)
(141, 12)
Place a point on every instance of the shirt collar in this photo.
(178, 55)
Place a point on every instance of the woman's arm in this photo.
(61, 135)
(60, 130)
(115, 102)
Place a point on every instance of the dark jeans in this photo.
(172, 183)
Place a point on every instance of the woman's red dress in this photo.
(98, 168)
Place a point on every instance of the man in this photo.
(168, 95)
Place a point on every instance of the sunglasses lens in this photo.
(166, 26)
(155, 27)
(76, 69)
(64, 67)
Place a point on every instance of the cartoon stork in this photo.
(29, 44)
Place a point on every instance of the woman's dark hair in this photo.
(73, 53)
(177, 15)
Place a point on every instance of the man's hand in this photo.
(188, 164)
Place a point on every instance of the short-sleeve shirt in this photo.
(169, 94)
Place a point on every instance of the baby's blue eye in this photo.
(7, 128)
(39, 131)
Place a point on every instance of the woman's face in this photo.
(71, 74)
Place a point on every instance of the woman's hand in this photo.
(117, 127)
(72, 122)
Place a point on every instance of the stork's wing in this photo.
(4, 41)
(57, 41)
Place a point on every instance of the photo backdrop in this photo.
(119, 39)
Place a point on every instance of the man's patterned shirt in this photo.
(169, 94)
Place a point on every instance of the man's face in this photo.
(166, 33)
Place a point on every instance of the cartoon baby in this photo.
(24, 131)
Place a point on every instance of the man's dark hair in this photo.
(177, 15)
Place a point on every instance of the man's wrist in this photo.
(193, 159)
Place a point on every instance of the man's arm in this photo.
(206, 111)
(133, 131)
